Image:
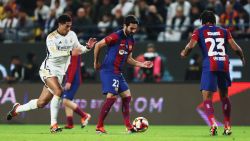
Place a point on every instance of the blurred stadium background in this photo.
(166, 95)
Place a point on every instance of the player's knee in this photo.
(58, 91)
(65, 101)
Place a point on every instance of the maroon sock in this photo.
(69, 120)
(226, 108)
(80, 112)
(104, 111)
(209, 109)
(125, 111)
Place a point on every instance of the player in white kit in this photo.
(61, 44)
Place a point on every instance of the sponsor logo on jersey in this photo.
(121, 52)
(219, 58)
(64, 47)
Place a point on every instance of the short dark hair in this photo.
(207, 17)
(64, 18)
(130, 19)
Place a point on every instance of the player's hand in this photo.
(91, 43)
(147, 64)
(67, 86)
(183, 54)
(97, 66)
(76, 51)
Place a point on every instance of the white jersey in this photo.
(58, 54)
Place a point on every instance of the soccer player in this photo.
(61, 44)
(73, 81)
(213, 42)
(120, 45)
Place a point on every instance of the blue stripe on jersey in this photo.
(202, 41)
(113, 51)
(202, 45)
(220, 65)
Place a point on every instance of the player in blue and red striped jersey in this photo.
(120, 45)
(213, 42)
(73, 80)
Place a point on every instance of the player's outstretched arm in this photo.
(133, 62)
(185, 52)
(97, 49)
(237, 49)
(80, 49)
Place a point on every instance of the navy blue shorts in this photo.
(70, 94)
(113, 83)
(210, 80)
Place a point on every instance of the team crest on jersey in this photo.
(121, 52)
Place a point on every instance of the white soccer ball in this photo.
(141, 124)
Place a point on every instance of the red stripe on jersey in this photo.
(213, 64)
(195, 35)
(72, 69)
(130, 46)
(226, 37)
(111, 39)
(118, 58)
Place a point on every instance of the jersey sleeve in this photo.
(78, 44)
(229, 35)
(53, 49)
(72, 69)
(195, 35)
(111, 39)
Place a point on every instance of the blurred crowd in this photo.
(160, 20)
(20, 70)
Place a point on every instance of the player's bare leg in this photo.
(57, 90)
(110, 100)
(43, 100)
(226, 108)
(126, 98)
(208, 107)
(71, 107)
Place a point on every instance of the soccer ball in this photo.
(141, 124)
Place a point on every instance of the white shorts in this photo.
(47, 73)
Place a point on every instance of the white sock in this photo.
(54, 108)
(32, 104)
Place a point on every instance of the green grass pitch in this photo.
(117, 133)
